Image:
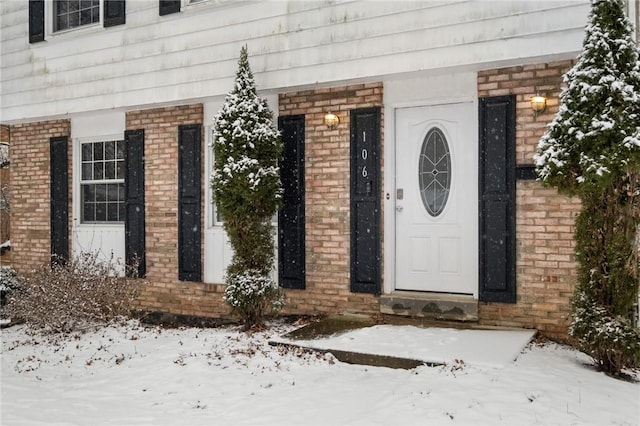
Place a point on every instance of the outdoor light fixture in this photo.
(331, 120)
(538, 103)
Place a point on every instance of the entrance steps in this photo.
(437, 306)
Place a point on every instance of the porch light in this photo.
(538, 103)
(331, 120)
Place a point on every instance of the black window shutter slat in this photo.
(114, 12)
(59, 199)
(497, 185)
(365, 201)
(291, 218)
(36, 21)
(189, 187)
(169, 6)
(134, 221)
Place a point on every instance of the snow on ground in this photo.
(137, 375)
(495, 348)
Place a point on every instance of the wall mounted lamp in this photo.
(538, 103)
(331, 120)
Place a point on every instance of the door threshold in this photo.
(440, 306)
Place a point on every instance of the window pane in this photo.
(121, 192)
(74, 5)
(98, 151)
(88, 212)
(101, 212)
(87, 171)
(112, 212)
(95, 14)
(120, 169)
(101, 192)
(87, 152)
(121, 211)
(74, 19)
(62, 6)
(88, 193)
(112, 192)
(85, 16)
(110, 170)
(120, 149)
(434, 172)
(62, 22)
(98, 171)
(109, 150)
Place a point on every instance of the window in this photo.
(102, 182)
(435, 171)
(75, 13)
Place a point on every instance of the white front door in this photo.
(437, 199)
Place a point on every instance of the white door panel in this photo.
(436, 199)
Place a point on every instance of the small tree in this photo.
(246, 187)
(592, 150)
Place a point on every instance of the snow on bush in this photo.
(73, 296)
(591, 149)
(247, 191)
(597, 127)
(609, 339)
(10, 282)
(251, 295)
(4, 155)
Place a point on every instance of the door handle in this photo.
(399, 208)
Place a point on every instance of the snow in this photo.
(135, 375)
(495, 348)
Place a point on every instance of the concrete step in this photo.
(436, 306)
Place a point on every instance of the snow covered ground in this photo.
(138, 375)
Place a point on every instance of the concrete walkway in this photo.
(407, 346)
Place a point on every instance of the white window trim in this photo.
(49, 17)
(77, 180)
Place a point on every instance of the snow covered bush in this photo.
(246, 182)
(73, 296)
(591, 149)
(4, 155)
(10, 282)
(250, 295)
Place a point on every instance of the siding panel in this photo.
(291, 43)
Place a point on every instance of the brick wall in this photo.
(30, 173)
(327, 198)
(546, 268)
(163, 291)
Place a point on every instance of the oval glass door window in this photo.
(434, 172)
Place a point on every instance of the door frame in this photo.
(389, 182)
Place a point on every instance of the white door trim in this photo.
(389, 182)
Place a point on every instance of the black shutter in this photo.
(497, 199)
(114, 12)
(134, 232)
(365, 200)
(169, 6)
(291, 222)
(59, 199)
(36, 21)
(189, 186)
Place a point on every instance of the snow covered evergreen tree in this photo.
(592, 150)
(246, 186)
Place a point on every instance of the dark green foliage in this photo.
(592, 150)
(246, 176)
(250, 294)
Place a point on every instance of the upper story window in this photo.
(102, 182)
(75, 13)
